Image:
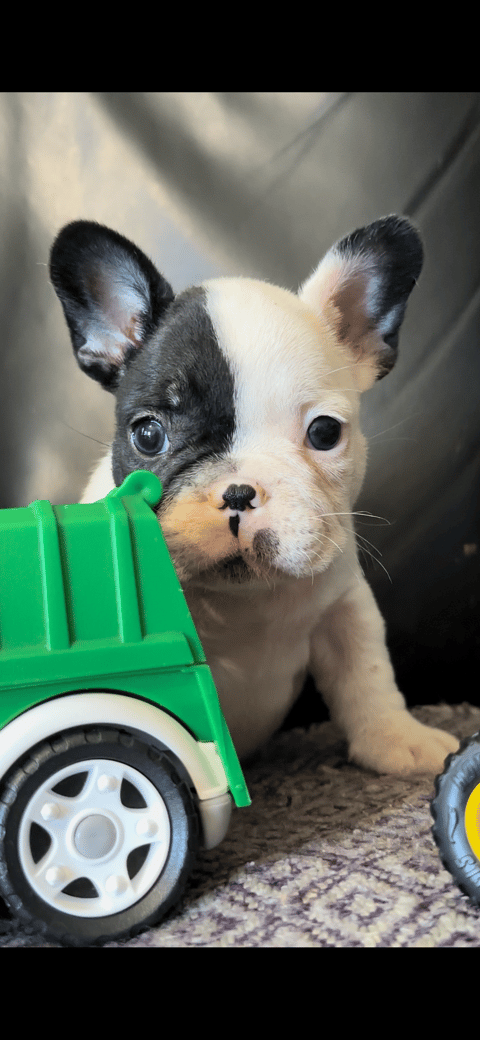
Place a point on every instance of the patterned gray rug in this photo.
(327, 855)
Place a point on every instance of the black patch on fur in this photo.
(112, 296)
(182, 378)
(234, 524)
(266, 545)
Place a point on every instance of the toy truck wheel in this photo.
(456, 812)
(98, 835)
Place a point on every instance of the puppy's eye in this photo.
(149, 437)
(324, 433)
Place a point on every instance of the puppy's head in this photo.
(241, 396)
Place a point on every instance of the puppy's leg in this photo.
(352, 669)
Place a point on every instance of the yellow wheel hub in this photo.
(472, 821)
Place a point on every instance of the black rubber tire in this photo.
(453, 788)
(49, 758)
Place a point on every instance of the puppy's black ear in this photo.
(111, 294)
(362, 286)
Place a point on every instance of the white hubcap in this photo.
(88, 838)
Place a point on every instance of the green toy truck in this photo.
(116, 763)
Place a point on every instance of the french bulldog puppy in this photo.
(244, 399)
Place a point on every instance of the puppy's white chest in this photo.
(258, 649)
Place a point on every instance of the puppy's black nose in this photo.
(239, 496)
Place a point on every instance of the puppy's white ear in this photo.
(362, 286)
(111, 294)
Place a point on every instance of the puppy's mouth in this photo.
(233, 569)
(256, 562)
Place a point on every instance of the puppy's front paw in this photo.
(399, 744)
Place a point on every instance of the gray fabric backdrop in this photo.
(261, 184)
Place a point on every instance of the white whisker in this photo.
(362, 513)
(372, 546)
(394, 427)
(332, 541)
(363, 549)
